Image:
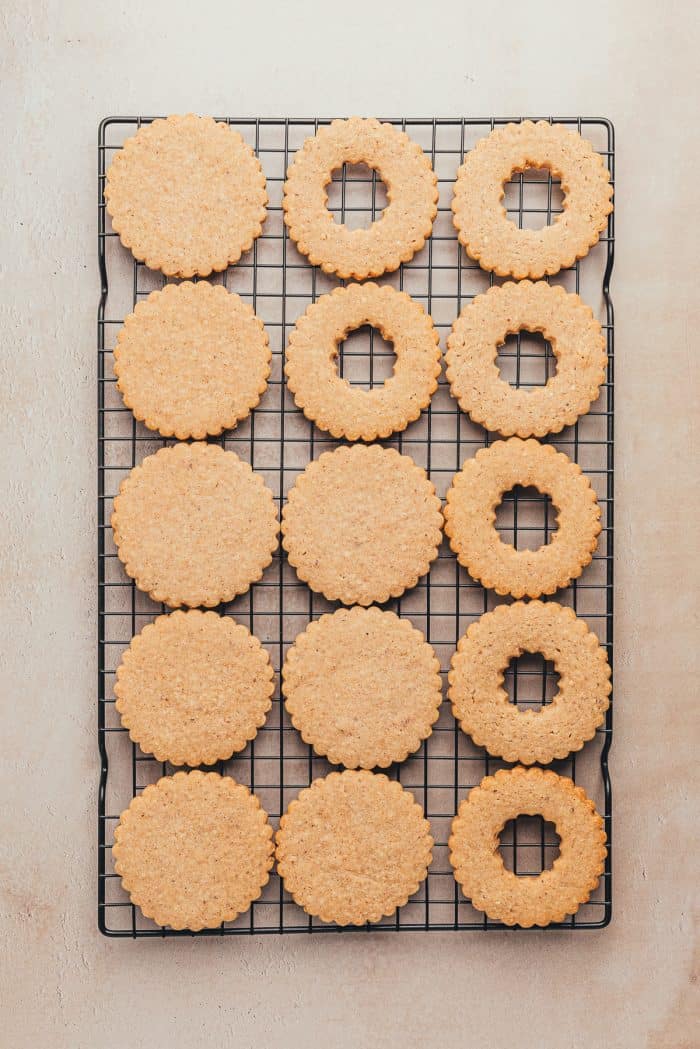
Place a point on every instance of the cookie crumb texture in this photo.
(362, 687)
(193, 850)
(405, 223)
(481, 704)
(482, 327)
(353, 847)
(193, 688)
(194, 525)
(187, 195)
(192, 360)
(312, 362)
(362, 524)
(470, 516)
(483, 226)
(478, 865)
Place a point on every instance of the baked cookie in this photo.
(192, 360)
(187, 195)
(482, 707)
(482, 224)
(193, 525)
(470, 515)
(193, 850)
(362, 687)
(406, 221)
(362, 524)
(477, 862)
(312, 362)
(577, 343)
(193, 688)
(353, 847)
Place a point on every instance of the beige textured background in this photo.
(65, 65)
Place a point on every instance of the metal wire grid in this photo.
(278, 442)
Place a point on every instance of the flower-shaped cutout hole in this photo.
(357, 196)
(529, 845)
(526, 360)
(533, 198)
(365, 358)
(526, 518)
(531, 681)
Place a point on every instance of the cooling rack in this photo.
(278, 442)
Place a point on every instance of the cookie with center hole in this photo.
(478, 865)
(483, 225)
(577, 343)
(405, 222)
(482, 706)
(312, 362)
(470, 518)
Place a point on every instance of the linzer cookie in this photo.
(577, 343)
(193, 850)
(193, 688)
(362, 686)
(193, 525)
(187, 195)
(353, 847)
(482, 706)
(482, 222)
(470, 515)
(312, 362)
(192, 360)
(478, 865)
(362, 524)
(406, 221)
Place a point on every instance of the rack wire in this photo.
(278, 442)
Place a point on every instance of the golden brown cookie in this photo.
(193, 525)
(477, 862)
(353, 847)
(331, 402)
(193, 688)
(470, 515)
(362, 524)
(187, 195)
(481, 220)
(404, 224)
(482, 707)
(193, 850)
(363, 687)
(192, 360)
(577, 343)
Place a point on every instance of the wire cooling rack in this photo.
(278, 442)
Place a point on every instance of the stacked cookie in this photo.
(195, 526)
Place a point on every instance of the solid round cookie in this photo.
(481, 704)
(193, 688)
(470, 515)
(193, 850)
(478, 865)
(187, 195)
(193, 525)
(362, 687)
(362, 524)
(577, 343)
(312, 362)
(353, 847)
(405, 223)
(482, 223)
(192, 360)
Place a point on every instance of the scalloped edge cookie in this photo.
(353, 847)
